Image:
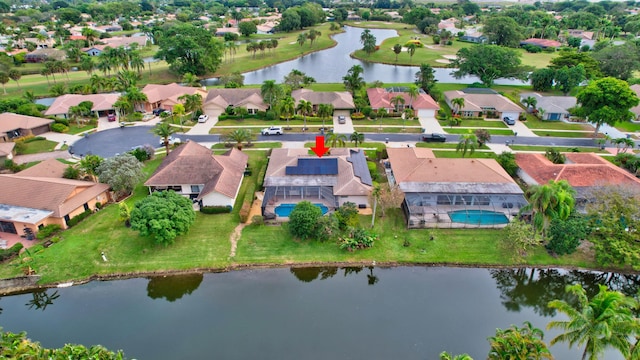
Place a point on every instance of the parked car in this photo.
(508, 120)
(158, 111)
(111, 117)
(435, 137)
(172, 140)
(342, 119)
(273, 130)
(203, 118)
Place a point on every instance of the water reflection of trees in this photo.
(41, 299)
(308, 274)
(534, 288)
(173, 287)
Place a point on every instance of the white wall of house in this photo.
(217, 199)
(354, 199)
(426, 113)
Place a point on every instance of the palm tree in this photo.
(127, 79)
(75, 112)
(518, 343)
(239, 136)
(91, 35)
(458, 104)
(241, 111)
(302, 38)
(467, 142)
(270, 92)
(396, 101)
(304, 107)
(287, 107)
(548, 201)
(325, 111)
(190, 79)
(411, 49)
(382, 112)
(336, 140)
(357, 138)
(602, 321)
(192, 103)
(86, 64)
(397, 48)
(137, 62)
(135, 96)
(531, 102)
(375, 194)
(313, 34)
(413, 91)
(15, 75)
(164, 130)
(626, 143)
(353, 81)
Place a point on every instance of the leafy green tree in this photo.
(603, 321)
(303, 219)
(71, 172)
(164, 130)
(122, 173)
(4, 79)
(508, 162)
(357, 138)
(163, 215)
(606, 101)
(270, 92)
(483, 136)
(489, 62)
(519, 343)
(542, 79)
(518, 238)
(89, 166)
(305, 108)
(124, 213)
(565, 235)
(15, 75)
(353, 81)
(247, 28)
(347, 216)
(502, 31)
(397, 49)
(189, 49)
(555, 156)
(573, 58)
(567, 79)
(425, 78)
(467, 142)
(619, 61)
(556, 199)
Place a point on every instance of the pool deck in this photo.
(432, 217)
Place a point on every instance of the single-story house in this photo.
(541, 43)
(583, 171)
(217, 101)
(16, 125)
(102, 103)
(331, 180)
(223, 30)
(555, 107)
(475, 37)
(423, 105)
(94, 50)
(7, 151)
(38, 198)
(193, 171)
(42, 55)
(441, 192)
(166, 96)
(636, 109)
(125, 41)
(582, 34)
(342, 101)
(483, 102)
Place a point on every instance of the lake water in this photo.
(312, 313)
(330, 65)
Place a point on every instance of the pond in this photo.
(303, 313)
(330, 65)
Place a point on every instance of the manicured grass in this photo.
(477, 123)
(391, 130)
(435, 145)
(387, 121)
(256, 145)
(38, 146)
(458, 154)
(75, 129)
(564, 134)
(457, 130)
(534, 122)
(628, 126)
(558, 148)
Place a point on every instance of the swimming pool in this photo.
(478, 217)
(284, 210)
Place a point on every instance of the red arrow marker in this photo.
(320, 149)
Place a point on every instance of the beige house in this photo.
(483, 103)
(330, 181)
(636, 109)
(102, 104)
(15, 126)
(340, 100)
(6, 150)
(193, 171)
(218, 100)
(423, 105)
(166, 96)
(40, 197)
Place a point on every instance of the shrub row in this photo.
(47, 231)
(76, 219)
(215, 209)
(10, 253)
(260, 179)
(244, 212)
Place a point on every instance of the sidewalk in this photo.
(61, 139)
(203, 128)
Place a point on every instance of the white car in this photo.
(172, 140)
(273, 130)
(203, 118)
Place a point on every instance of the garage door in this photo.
(341, 112)
(511, 115)
(213, 113)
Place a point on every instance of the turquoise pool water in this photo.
(285, 209)
(478, 217)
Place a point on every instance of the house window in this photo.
(86, 206)
(252, 111)
(195, 188)
(467, 113)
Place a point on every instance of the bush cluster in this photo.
(47, 231)
(215, 209)
(59, 128)
(244, 212)
(76, 219)
(10, 253)
(358, 238)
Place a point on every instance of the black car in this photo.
(435, 137)
(158, 111)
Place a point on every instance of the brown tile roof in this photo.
(235, 97)
(101, 102)
(6, 148)
(58, 195)
(50, 168)
(581, 170)
(11, 121)
(339, 99)
(157, 92)
(476, 102)
(380, 98)
(542, 42)
(194, 164)
(115, 42)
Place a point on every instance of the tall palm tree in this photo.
(397, 49)
(137, 62)
(312, 35)
(381, 113)
(305, 108)
(357, 138)
(396, 101)
(190, 79)
(531, 102)
(605, 320)
(467, 142)
(353, 81)
(91, 35)
(336, 140)
(127, 79)
(287, 107)
(164, 130)
(239, 136)
(375, 194)
(411, 49)
(192, 103)
(547, 201)
(325, 111)
(413, 91)
(270, 92)
(4, 79)
(15, 75)
(458, 104)
(136, 97)
(302, 38)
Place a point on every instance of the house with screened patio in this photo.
(453, 193)
(328, 182)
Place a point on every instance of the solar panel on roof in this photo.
(314, 167)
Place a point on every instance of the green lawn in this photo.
(458, 154)
(37, 146)
(436, 145)
(628, 126)
(557, 148)
(477, 123)
(564, 134)
(391, 130)
(75, 129)
(535, 123)
(457, 130)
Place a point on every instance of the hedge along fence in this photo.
(261, 174)
(265, 118)
(215, 209)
